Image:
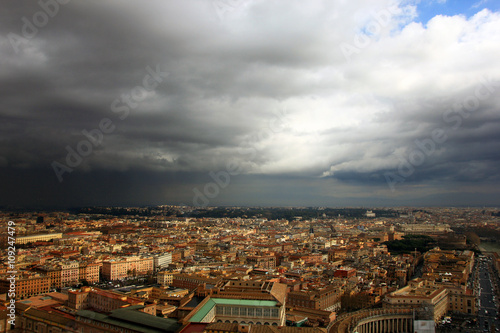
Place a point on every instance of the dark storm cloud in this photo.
(263, 84)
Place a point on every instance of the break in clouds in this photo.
(312, 103)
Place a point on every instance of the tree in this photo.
(473, 238)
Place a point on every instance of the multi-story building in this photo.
(417, 294)
(116, 269)
(336, 253)
(27, 284)
(69, 273)
(130, 319)
(177, 255)
(205, 245)
(243, 302)
(158, 293)
(448, 266)
(425, 229)
(89, 272)
(461, 299)
(262, 261)
(187, 252)
(62, 273)
(162, 260)
(165, 278)
(102, 300)
(33, 319)
(37, 238)
(345, 272)
(223, 310)
(192, 281)
(327, 298)
(53, 272)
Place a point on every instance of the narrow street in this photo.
(487, 300)
(482, 281)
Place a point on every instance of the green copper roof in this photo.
(201, 313)
(205, 309)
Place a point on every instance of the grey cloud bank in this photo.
(231, 66)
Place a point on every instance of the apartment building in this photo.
(27, 284)
(62, 273)
(162, 260)
(116, 269)
(89, 271)
(327, 298)
(165, 278)
(69, 273)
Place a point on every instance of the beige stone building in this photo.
(442, 297)
(37, 238)
(116, 269)
(89, 272)
(461, 299)
(165, 278)
(418, 294)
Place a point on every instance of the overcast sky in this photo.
(239, 102)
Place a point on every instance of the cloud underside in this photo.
(353, 101)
